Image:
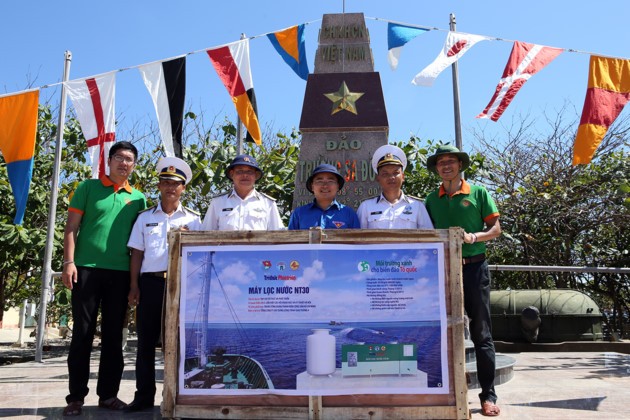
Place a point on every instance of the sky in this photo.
(113, 35)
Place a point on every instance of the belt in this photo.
(474, 259)
(161, 274)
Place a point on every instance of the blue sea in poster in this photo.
(281, 348)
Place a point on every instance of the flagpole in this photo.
(239, 136)
(455, 73)
(239, 125)
(52, 212)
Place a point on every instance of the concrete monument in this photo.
(343, 116)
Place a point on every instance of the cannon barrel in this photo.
(563, 315)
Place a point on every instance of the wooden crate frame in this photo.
(453, 405)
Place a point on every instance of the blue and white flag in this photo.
(397, 36)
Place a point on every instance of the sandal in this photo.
(490, 409)
(74, 408)
(112, 403)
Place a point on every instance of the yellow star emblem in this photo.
(344, 99)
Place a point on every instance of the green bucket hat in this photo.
(447, 149)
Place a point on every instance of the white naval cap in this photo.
(174, 168)
(389, 154)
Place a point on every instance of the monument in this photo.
(343, 116)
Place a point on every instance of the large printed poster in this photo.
(313, 319)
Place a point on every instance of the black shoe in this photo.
(138, 406)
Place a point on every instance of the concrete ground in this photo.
(546, 385)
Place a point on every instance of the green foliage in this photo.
(22, 246)
(551, 213)
(555, 214)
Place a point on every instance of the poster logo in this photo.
(363, 266)
(266, 264)
(281, 266)
(294, 265)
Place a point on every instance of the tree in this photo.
(555, 214)
(22, 246)
(208, 152)
(551, 213)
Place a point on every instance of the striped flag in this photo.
(456, 45)
(93, 101)
(166, 82)
(291, 46)
(18, 126)
(525, 60)
(397, 36)
(607, 93)
(232, 65)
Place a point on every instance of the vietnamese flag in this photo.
(232, 65)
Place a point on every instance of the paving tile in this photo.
(545, 385)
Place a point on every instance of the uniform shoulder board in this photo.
(365, 200)
(192, 211)
(220, 194)
(265, 195)
(145, 210)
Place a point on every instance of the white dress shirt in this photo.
(408, 213)
(150, 234)
(257, 211)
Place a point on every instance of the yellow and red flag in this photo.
(607, 93)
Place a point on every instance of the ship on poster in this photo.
(247, 313)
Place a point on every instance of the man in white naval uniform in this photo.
(149, 261)
(243, 208)
(392, 209)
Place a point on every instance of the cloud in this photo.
(238, 273)
(422, 258)
(311, 274)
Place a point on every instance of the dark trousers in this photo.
(149, 325)
(477, 305)
(107, 289)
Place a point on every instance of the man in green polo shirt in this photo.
(96, 269)
(458, 203)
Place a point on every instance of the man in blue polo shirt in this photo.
(325, 211)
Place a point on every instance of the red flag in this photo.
(525, 60)
(232, 64)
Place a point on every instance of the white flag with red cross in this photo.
(93, 100)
